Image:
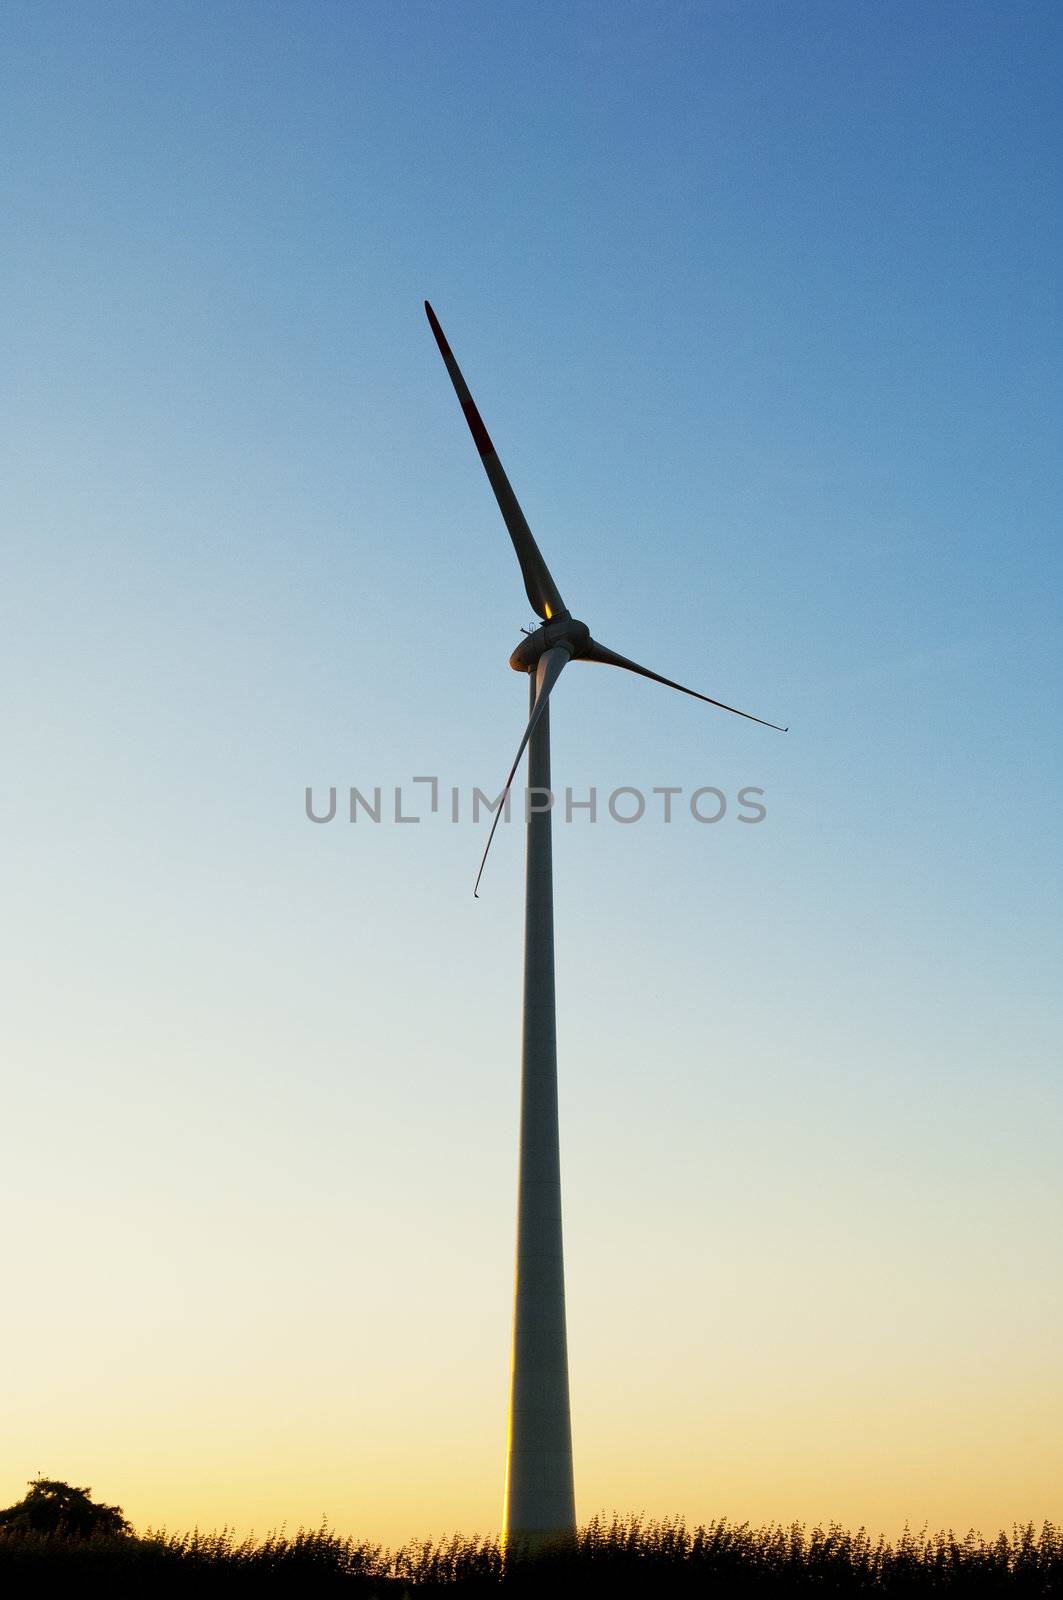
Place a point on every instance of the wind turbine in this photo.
(539, 1497)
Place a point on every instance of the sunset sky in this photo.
(760, 303)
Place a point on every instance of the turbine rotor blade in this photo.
(609, 658)
(542, 590)
(551, 663)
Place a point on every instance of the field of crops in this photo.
(617, 1559)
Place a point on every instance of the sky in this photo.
(760, 305)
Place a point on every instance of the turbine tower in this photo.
(539, 1497)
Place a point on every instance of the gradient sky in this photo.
(760, 304)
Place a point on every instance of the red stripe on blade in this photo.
(481, 437)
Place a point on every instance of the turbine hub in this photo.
(564, 630)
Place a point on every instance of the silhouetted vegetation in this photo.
(625, 1557)
(52, 1507)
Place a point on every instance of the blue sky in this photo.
(760, 304)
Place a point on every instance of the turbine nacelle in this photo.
(562, 632)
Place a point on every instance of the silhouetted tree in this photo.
(53, 1507)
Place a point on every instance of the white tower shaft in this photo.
(540, 1501)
